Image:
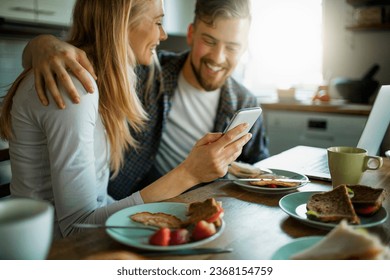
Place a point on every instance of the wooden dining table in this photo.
(255, 225)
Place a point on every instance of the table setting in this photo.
(256, 224)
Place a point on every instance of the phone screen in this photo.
(246, 115)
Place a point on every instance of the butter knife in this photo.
(187, 252)
(94, 226)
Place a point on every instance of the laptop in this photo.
(313, 161)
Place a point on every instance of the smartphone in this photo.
(245, 115)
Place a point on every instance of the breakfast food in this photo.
(332, 206)
(160, 220)
(161, 237)
(203, 220)
(209, 210)
(248, 171)
(203, 230)
(273, 183)
(366, 200)
(245, 170)
(345, 242)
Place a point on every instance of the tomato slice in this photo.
(366, 210)
(215, 216)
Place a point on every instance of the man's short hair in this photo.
(209, 11)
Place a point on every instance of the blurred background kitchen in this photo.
(315, 65)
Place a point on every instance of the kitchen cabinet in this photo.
(370, 15)
(56, 12)
(289, 128)
(22, 10)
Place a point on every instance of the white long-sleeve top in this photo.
(62, 156)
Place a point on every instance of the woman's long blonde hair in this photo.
(101, 28)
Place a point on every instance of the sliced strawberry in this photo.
(216, 216)
(203, 230)
(179, 236)
(160, 237)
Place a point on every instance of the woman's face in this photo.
(146, 36)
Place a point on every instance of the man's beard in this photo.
(202, 82)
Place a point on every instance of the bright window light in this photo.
(285, 46)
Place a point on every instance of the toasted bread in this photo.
(332, 206)
(274, 183)
(159, 219)
(345, 242)
(244, 170)
(366, 200)
(209, 210)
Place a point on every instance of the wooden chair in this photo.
(5, 173)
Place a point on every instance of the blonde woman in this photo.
(65, 156)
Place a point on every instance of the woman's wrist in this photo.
(172, 184)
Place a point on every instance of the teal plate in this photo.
(139, 238)
(266, 190)
(298, 245)
(294, 204)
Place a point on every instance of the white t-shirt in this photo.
(192, 115)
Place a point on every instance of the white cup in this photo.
(26, 229)
(387, 153)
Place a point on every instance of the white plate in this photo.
(261, 189)
(294, 204)
(298, 245)
(140, 238)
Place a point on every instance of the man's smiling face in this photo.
(215, 51)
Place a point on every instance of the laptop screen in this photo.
(377, 122)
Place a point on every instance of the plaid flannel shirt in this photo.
(133, 176)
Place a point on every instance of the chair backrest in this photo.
(5, 173)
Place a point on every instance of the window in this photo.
(285, 47)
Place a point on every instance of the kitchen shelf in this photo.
(376, 27)
(366, 3)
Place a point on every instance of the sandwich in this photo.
(346, 242)
(209, 210)
(274, 183)
(332, 206)
(366, 200)
(246, 170)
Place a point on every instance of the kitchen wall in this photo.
(10, 60)
(350, 53)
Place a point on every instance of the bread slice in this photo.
(159, 219)
(245, 170)
(205, 210)
(274, 182)
(345, 242)
(332, 206)
(366, 200)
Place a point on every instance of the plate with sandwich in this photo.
(360, 205)
(344, 242)
(176, 226)
(266, 181)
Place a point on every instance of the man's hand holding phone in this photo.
(246, 115)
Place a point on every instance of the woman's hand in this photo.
(50, 59)
(208, 160)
